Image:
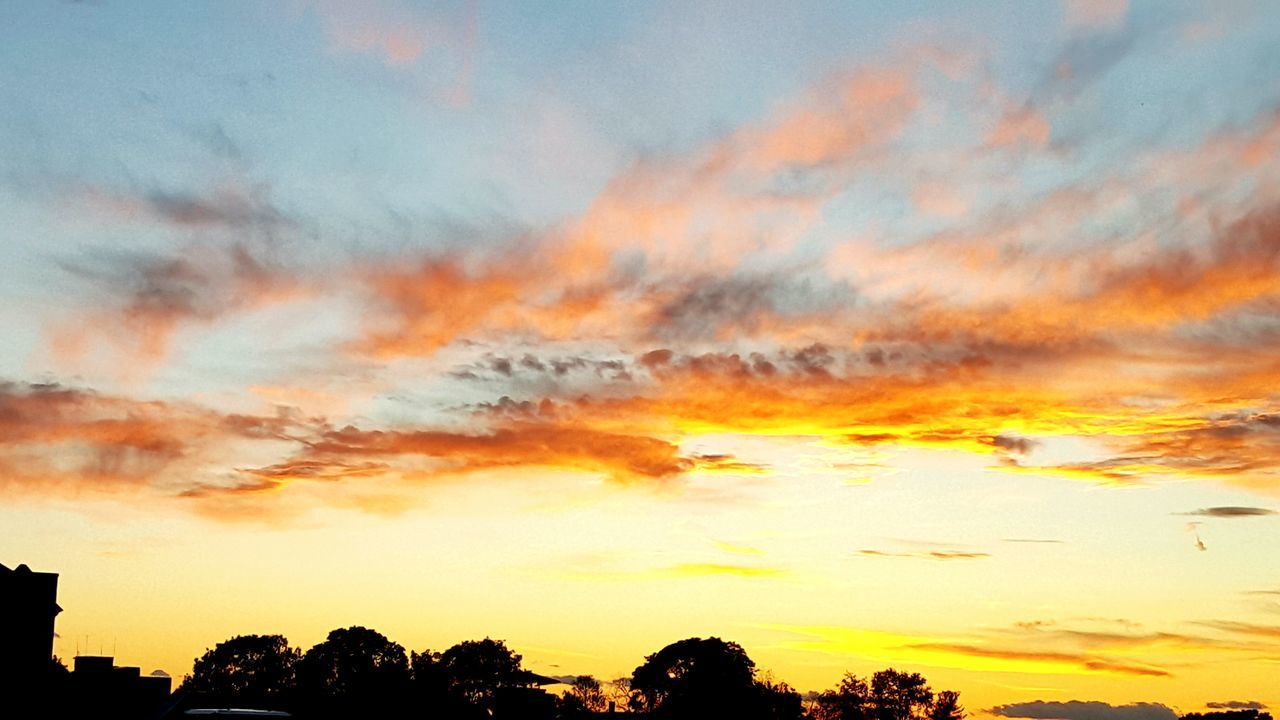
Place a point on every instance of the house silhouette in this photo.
(28, 607)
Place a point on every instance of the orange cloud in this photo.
(385, 29)
(522, 444)
(1020, 126)
(65, 441)
(1086, 662)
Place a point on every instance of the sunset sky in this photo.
(943, 336)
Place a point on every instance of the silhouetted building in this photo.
(99, 689)
(28, 607)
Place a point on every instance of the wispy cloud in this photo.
(927, 555)
(1231, 511)
(1086, 662)
(985, 654)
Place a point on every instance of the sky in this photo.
(941, 336)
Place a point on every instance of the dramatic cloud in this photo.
(701, 290)
(1079, 710)
(624, 457)
(65, 441)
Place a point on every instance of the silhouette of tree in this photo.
(571, 708)
(433, 688)
(588, 691)
(778, 700)
(355, 670)
(248, 670)
(697, 678)
(900, 696)
(618, 692)
(890, 695)
(946, 706)
(850, 700)
(477, 670)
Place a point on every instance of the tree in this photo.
(696, 678)
(478, 669)
(588, 691)
(889, 695)
(900, 695)
(777, 700)
(946, 706)
(252, 670)
(850, 700)
(354, 670)
(617, 691)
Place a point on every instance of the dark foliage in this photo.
(889, 695)
(246, 671)
(699, 678)
(355, 670)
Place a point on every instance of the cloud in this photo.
(1096, 14)
(686, 299)
(1244, 628)
(1023, 126)
(1088, 662)
(231, 210)
(1020, 446)
(978, 654)
(1236, 705)
(928, 555)
(145, 299)
(393, 32)
(58, 441)
(1231, 512)
(1091, 638)
(712, 308)
(1080, 710)
(1237, 446)
(231, 207)
(519, 444)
